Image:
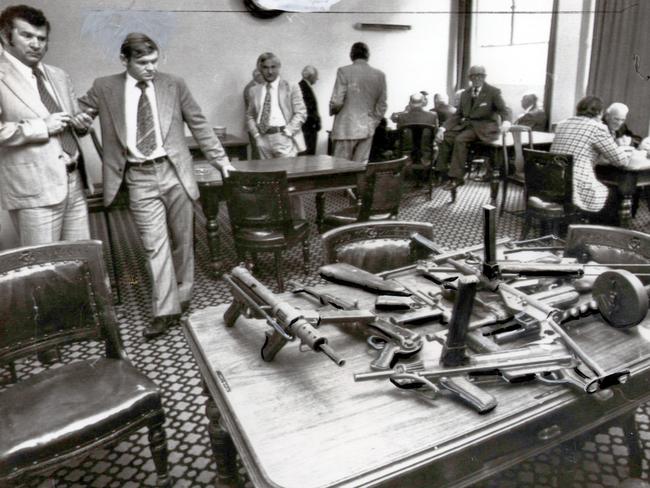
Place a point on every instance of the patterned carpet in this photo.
(601, 462)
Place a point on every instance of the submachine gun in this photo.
(288, 323)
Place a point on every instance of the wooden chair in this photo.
(376, 246)
(548, 190)
(380, 195)
(260, 216)
(513, 170)
(417, 142)
(53, 295)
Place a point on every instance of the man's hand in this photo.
(440, 135)
(81, 121)
(226, 169)
(57, 122)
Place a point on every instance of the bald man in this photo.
(614, 118)
(312, 124)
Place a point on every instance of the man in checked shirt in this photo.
(587, 139)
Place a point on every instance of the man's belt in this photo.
(148, 162)
(274, 129)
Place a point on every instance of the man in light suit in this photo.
(276, 112)
(476, 118)
(41, 170)
(358, 103)
(143, 114)
(312, 125)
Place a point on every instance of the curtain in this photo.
(463, 42)
(621, 37)
(550, 64)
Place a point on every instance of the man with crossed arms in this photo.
(142, 114)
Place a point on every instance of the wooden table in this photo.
(236, 147)
(625, 182)
(306, 174)
(302, 422)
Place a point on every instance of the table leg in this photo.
(625, 210)
(497, 167)
(223, 448)
(210, 202)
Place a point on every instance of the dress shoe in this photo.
(48, 357)
(157, 327)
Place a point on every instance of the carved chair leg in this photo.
(305, 254)
(277, 263)
(159, 453)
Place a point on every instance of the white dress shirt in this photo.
(131, 98)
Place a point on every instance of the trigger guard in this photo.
(376, 342)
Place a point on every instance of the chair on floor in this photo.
(380, 195)
(513, 170)
(260, 217)
(53, 295)
(376, 246)
(416, 141)
(548, 190)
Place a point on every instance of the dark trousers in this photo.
(453, 152)
(311, 138)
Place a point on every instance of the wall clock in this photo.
(257, 10)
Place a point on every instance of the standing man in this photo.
(276, 112)
(476, 119)
(142, 114)
(533, 116)
(256, 80)
(358, 103)
(41, 170)
(312, 124)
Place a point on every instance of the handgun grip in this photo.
(386, 357)
(469, 393)
(273, 342)
(233, 312)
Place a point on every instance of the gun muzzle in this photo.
(330, 353)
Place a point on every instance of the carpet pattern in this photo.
(600, 462)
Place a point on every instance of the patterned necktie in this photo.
(68, 142)
(266, 111)
(145, 136)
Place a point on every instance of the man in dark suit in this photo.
(477, 118)
(312, 124)
(442, 107)
(533, 116)
(143, 114)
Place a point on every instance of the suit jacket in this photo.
(481, 115)
(589, 141)
(535, 119)
(358, 101)
(444, 112)
(624, 130)
(312, 123)
(416, 116)
(176, 107)
(292, 107)
(32, 173)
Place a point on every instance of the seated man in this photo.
(589, 142)
(476, 120)
(415, 113)
(442, 108)
(533, 116)
(614, 118)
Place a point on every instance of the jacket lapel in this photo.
(17, 84)
(283, 97)
(115, 103)
(165, 98)
(60, 89)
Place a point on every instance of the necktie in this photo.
(68, 142)
(266, 111)
(145, 136)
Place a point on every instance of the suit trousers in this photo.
(164, 215)
(311, 139)
(353, 149)
(64, 221)
(453, 152)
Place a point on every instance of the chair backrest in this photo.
(610, 245)
(549, 177)
(516, 131)
(382, 188)
(258, 200)
(376, 246)
(417, 142)
(54, 294)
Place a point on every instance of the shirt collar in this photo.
(22, 67)
(274, 83)
(130, 80)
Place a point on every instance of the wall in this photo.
(214, 44)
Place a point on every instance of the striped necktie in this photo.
(68, 142)
(145, 136)
(265, 119)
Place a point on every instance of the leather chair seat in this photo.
(107, 394)
(350, 215)
(270, 237)
(377, 254)
(553, 209)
